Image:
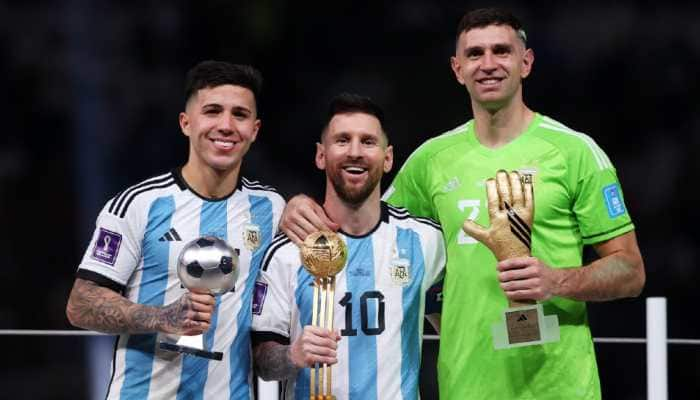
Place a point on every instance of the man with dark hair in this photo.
(379, 297)
(215, 73)
(127, 283)
(578, 201)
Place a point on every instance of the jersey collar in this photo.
(383, 217)
(488, 152)
(182, 184)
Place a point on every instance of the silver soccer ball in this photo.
(208, 263)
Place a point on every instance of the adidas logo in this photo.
(170, 236)
(451, 185)
(522, 317)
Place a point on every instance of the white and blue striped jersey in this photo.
(379, 303)
(134, 250)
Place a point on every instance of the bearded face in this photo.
(354, 179)
(354, 155)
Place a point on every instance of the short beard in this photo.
(353, 198)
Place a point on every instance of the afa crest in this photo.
(400, 272)
(251, 236)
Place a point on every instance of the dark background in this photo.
(92, 90)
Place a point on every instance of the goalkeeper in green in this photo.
(578, 201)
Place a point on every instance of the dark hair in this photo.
(211, 73)
(483, 17)
(345, 103)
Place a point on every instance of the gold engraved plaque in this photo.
(324, 255)
(523, 326)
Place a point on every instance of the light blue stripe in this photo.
(240, 357)
(304, 300)
(362, 363)
(195, 370)
(154, 279)
(409, 241)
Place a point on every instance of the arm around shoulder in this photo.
(302, 216)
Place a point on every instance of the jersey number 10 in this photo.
(346, 302)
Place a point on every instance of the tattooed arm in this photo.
(92, 306)
(272, 362)
(276, 361)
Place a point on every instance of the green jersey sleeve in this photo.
(599, 203)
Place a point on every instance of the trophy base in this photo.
(211, 355)
(525, 326)
(322, 397)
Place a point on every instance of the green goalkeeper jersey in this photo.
(578, 201)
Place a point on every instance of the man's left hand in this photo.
(527, 278)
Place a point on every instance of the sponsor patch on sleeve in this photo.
(107, 246)
(613, 200)
(259, 297)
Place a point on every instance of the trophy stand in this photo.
(524, 324)
(324, 254)
(193, 345)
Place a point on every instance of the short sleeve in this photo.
(436, 257)
(115, 248)
(600, 208)
(273, 299)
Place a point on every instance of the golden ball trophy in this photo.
(324, 254)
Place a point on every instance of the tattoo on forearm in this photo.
(95, 307)
(605, 279)
(609, 278)
(272, 361)
(174, 316)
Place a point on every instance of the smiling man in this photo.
(578, 201)
(393, 258)
(127, 282)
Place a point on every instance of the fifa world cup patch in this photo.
(107, 246)
(613, 200)
(259, 297)
(400, 271)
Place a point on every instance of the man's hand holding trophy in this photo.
(207, 267)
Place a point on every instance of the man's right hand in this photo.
(190, 315)
(315, 345)
(303, 216)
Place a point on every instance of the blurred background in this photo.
(93, 90)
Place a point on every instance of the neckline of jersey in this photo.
(489, 152)
(182, 183)
(383, 217)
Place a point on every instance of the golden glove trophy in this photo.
(324, 254)
(511, 211)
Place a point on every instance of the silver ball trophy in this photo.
(204, 263)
